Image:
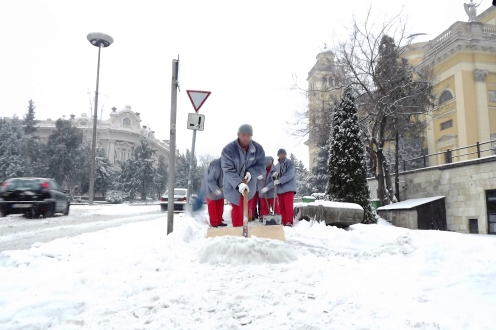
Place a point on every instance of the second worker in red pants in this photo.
(285, 179)
(212, 188)
(242, 160)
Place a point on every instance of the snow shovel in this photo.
(271, 219)
(272, 232)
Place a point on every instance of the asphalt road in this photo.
(17, 232)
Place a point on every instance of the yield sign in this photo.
(197, 98)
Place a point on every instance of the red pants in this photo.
(215, 211)
(237, 212)
(263, 206)
(286, 204)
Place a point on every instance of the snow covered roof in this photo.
(410, 203)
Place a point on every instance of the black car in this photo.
(32, 197)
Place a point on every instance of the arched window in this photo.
(126, 121)
(324, 81)
(445, 97)
(83, 123)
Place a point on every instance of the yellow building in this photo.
(463, 60)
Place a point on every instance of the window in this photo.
(445, 97)
(324, 81)
(126, 121)
(83, 123)
(493, 143)
(447, 124)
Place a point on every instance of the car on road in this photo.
(179, 199)
(33, 197)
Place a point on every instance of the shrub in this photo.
(116, 197)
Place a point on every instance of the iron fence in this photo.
(449, 156)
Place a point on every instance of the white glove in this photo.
(264, 190)
(260, 177)
(242, 187)
(275, 175)
(248, 177)
(217, 192)
(276, 182)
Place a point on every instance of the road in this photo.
(17, 232)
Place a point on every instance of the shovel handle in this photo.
(245, 211)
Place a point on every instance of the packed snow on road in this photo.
(137, 277)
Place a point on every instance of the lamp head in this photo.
(98, 39)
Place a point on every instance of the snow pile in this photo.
(241, 251)
(137, 277)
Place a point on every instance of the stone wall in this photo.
(464, 184)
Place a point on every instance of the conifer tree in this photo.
(347, 168)
(29, 119)
(319, 173)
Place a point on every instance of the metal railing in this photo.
(478, 149)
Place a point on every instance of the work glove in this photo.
(248, 176)
(275, 175)
(218, 192)
(242, 187)
(264, 190)
(260, 177)
(276, 182)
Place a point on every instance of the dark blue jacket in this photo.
(213, 180)
(235, 162)
(287, 177)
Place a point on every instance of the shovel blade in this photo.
(272, 220)
(272, 232)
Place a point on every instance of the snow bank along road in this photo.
(17, 232)
(136, 277)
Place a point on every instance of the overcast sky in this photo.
(245, 53)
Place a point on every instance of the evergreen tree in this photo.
(138, 173)
(182, 170)
(29, 119)
(161, 178)
(68, 158)
(302, 185)
(105, 172)
(12, 149)
(347, 168)
(319, 174)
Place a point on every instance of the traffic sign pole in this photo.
(191, 158)
(197, 99)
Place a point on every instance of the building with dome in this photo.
(116, 135)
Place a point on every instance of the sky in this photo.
(248, 54)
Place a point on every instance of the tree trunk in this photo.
(389, 187)
(381, 189)
(397, 167)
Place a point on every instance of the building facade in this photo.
(324, 89)
(463, 62)
(116, 135)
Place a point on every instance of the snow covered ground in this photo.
(136, 277)
(17, 232)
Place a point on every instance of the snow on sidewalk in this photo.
(135, 277)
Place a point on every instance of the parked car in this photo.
(179, 199)
(32, 197)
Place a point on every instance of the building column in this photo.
(482, 109)
(460, 112)
(431, 143)
(111, 154)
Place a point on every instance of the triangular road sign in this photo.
(197, 98)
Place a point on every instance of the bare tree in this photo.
(389, 92)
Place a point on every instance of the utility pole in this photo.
(91, 192)
(172, 146)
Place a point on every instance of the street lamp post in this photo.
(100, 40)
